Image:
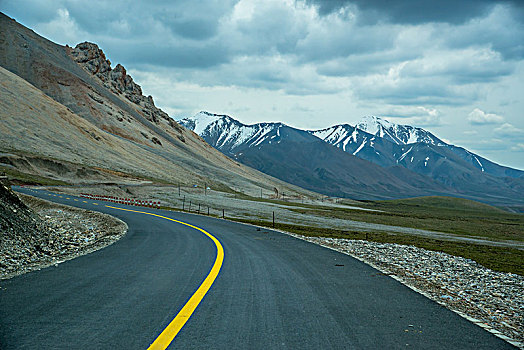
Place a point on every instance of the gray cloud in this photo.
(404, 58)
(364, 64)
(501, 30)
(491, 144)
(417, 92)
(188, 19)
(479, 117)
(171, 55)
(342, 39)
(39, 11)
(413, 115)
(509, 130)
(197, 29)
(460, 67)
(411, 12)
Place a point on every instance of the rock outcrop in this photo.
(35, 233)
(17, 221)
(69, 105)
(92, 58)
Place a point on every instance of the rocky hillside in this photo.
(17, 222)
(35, 233)
(92, 58)
(69, 106)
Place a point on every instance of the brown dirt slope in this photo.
(72, 112)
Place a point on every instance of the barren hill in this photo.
(64, 109)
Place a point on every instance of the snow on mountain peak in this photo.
(399, 134)
(203, 119)
(227, 134)
(370, 124)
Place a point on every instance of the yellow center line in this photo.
(94, 203)
(67, 198)
(169, 333)
(84, 201)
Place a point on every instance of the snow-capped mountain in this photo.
(399, 134)
(387, 144)
(359, 143)
(379, 141)
(227, 133)
(303, 159)
(411, 156)
(345, 136)
(231, 137)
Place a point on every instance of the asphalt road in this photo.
(273, 292)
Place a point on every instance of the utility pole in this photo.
(205, 189)
(199, 208)
(273, 219)
(184, 204)
(223, 214)
(179, 189)
(189, 206)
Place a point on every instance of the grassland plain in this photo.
(496, 258)
(458, 217)
(444, 214)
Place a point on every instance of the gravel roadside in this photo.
(63, 233)
(492, 300)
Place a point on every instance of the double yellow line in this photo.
(169, 333)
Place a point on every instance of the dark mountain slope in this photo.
(427, 165)
(300, 158)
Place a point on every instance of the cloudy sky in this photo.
(455, 68)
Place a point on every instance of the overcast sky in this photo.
(455, 68)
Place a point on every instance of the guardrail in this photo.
(119, 200)
(191, 208)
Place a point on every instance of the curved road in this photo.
(273, 292)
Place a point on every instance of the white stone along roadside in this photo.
(62, 233)
(493, 300)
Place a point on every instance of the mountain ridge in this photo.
(459, 171)
(396, 133)
(405, 135)
(296, 156)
